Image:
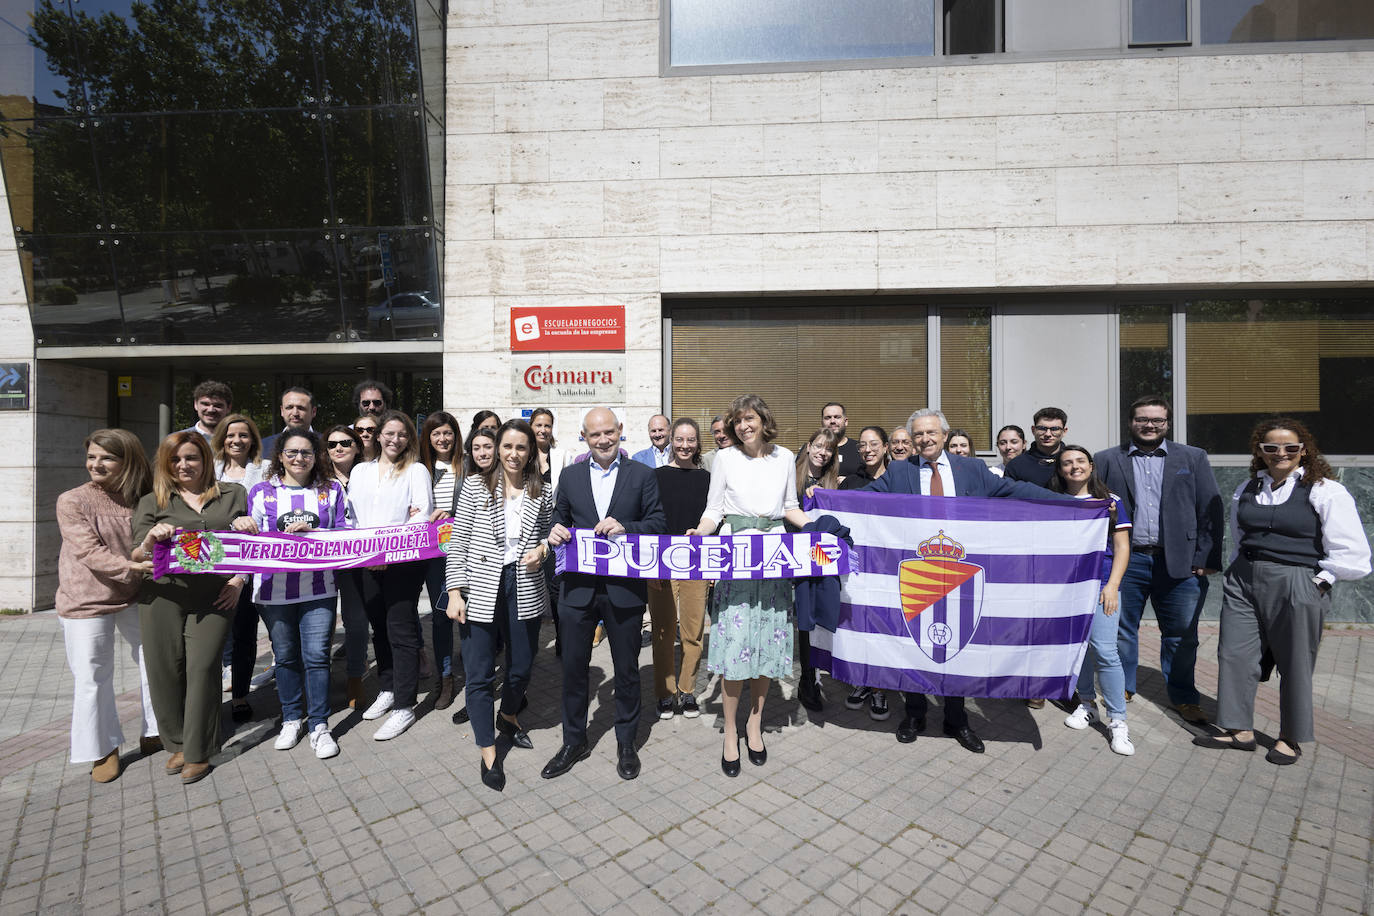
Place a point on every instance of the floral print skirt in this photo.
(752, 631)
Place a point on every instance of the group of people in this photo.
(514, 495)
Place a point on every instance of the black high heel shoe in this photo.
(494, 777)
(518, 735)
(757, 758)
(730, 767)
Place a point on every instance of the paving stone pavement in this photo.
(842, 819)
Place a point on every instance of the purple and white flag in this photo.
(730, 556)
(964, 597)
(229, 552)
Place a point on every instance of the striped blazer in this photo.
(478, 544)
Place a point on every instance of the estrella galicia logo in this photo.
(942, 597)
(286, 519)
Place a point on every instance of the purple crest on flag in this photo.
(942, 597)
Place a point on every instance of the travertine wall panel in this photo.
(653, 102)
(603, 154)
(766, 98)
(987, 199)
(602, 49)
(1240, 191)
(766, 204)
(1028, 141)
(488, 55)
(1154, 137)
(882, 200)
(558, 105)
(878, 95)
(1120, 195)
(1321, 132)
(1240, 80)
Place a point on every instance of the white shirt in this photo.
(375, 501)
(765, 487)
(946, 474)
(603, 484)
(1343, 537)
(514, 508)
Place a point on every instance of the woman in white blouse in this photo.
(496, 585)
(753, 490)
(1297, 533)
(237, 445)
(392, 490)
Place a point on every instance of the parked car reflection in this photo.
(405, 312)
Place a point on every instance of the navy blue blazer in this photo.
(1191, 514)
(634, 503)
(971, 478)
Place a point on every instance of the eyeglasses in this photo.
(1149, 421)
(340, 443)
(295, 453)
(1047, 429)
(1277, 448)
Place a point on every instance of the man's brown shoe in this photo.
(354, 692)
(1191, 712)
(149, 745)
(194, 772)
(106, 769)
(175, 763)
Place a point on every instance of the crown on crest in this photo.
(941, 547)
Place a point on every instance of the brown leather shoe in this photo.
(175, 763)
(354, 692)
(194, 772)
(445, 698)
(106, 769)
(149, 745)
(1036, 703)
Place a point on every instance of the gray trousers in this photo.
(1276, 607)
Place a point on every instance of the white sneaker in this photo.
(323, 742)
(397, 722)
(290, 734)
(1121, 739)
(380, 706)
(226, 678)
(1081, 717)
(262, 680)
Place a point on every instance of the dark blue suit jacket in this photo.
(1191, 514)
(634, 503)
(971, 478)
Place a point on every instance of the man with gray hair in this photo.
(932, 471)
(659, 452)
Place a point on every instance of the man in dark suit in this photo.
(1177, 517)
(932, 471)
(612, 495)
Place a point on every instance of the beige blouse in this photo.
(93, 575)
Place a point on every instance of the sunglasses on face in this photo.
(365, 430)
(340, 443)
(1276, 448)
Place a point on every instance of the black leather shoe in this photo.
(240, 711)
(517, 735)
(730, 767)
(757, 758)
(461, 716)
(494, 778)
(809, 695)
(966, 738)
(909, 729)
(563, 761)
(627, 761)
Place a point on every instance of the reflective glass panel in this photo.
(225, 170)
(1159, 22)
(50, 175)
(1062, 25)
(1146, 355)
(367, 51)
(379, 269)
(966, 372)
(377, 157)
(729, 32)
(1312, 359)
(38, 75)
(72, 288)
(1226, 21)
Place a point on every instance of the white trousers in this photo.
(91, 656)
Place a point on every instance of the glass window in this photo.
(797, 355)
(1159, 22)
(377, 157)
(971, 27)
(1312, 359)
(1145, 351)
(966, 372)
(32, 84)
(1227, 21)
(72, 288)
(50, 176)
(763, 31)
(1062, 25)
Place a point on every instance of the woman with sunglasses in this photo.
(299, 606)
(343, 451)
(366, 428)
(1297, 533)
(393, 490)
(237, 445)
(441, 446)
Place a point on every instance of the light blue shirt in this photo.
(946, 474)
(603, 484)
(1148, 471)
(653, 457)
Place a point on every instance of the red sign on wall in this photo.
(587, 327)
